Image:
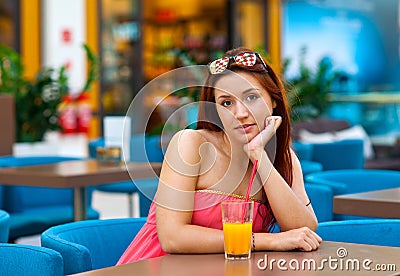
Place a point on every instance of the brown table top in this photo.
(327, 260)
(77, 173)
(381, 203)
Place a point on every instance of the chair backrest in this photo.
(308, 167)
(20, 198)
(20, 259)
(1, 196)
(322, 201)
(383, 232)
(91, 244)
(4, 226)
(344, 154)
(303, 150)
(356, 181)
(147, 190)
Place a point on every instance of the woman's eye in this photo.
(251, 97)
(226, 103)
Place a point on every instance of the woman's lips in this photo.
(246, 128)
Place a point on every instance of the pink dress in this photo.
(146, 244)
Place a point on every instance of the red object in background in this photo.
(66, 35)
(165, 16)
(83, 113)
(68, 65)
(67, 117)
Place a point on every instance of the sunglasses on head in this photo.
(247, 59)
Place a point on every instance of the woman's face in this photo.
(242, 105)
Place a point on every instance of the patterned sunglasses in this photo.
(247, 59)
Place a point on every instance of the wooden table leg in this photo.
(80, 203)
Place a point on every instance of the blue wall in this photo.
(360, 36)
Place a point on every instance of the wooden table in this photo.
(322, 262)
(77, 175)
(381, 203)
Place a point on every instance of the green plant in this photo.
(37, 101)
(308, 92)
(93, 65)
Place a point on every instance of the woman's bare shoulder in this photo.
(190, 143)
(189, 137)
(194, 137)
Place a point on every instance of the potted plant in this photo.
(308, 93)
(37, 101)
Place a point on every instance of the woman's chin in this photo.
(242, 138)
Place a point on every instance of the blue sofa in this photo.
(21, 259)
(322, 201)
(338, 155)
(33, 209)
(94, 244)
(4, 226)
(354, 181)
(383, 232)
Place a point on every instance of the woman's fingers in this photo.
(272, 123)
(302, 239)
(312, 243)
(317, 237)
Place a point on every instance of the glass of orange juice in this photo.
(237, 219)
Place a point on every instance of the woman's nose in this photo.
(241, 110)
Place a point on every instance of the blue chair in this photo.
(308, 167)
(91, 244)
(148, 188)
(4, 226)
(322, 201)
(303, 150)
(34, 209)
(383, 232)
(355, 181)
(143, 149)
(340, 155)
(19, 259)
(1, 196)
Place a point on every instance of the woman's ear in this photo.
(273, 104)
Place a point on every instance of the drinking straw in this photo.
(253, 174)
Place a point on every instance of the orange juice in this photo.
(237, 238)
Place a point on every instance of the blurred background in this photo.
(354, 45)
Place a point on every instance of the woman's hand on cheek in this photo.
(255, 147)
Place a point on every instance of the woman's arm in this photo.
(175, 195)
(288, 203)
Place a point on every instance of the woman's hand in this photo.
(255, 147)
(302, 239)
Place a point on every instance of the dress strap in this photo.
(210, 191)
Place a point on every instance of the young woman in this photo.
(243, 117)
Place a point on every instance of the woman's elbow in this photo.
(170, 245)
(314, 225)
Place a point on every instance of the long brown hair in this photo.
(208, 117)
